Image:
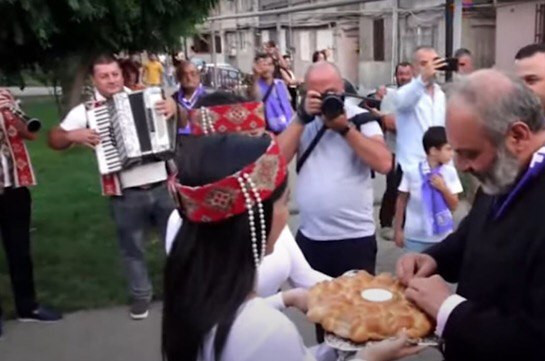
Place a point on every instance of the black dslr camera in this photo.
(332, 105)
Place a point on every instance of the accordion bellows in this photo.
(341, 307)
(131, 131)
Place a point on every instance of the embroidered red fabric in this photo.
(23, 171)
(224, 198)
(245, 118)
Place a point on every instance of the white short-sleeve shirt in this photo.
(334, 188)
(262, 333)
(415, 224)
(133, 177)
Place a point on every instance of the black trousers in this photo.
(15, 204)
(336, 257)
(388, 204)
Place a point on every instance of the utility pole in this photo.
(214, 55)
(278, 33)
(238, 46)
(457, 25)
(449, 26)
(395, 35)
(290, 37)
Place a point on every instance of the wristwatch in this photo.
(345, 130)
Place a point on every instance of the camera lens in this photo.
(332, 106)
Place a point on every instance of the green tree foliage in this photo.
(60, 36)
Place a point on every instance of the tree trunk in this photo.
(72, 75)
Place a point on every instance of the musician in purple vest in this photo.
(273, 93)
(138, 196)
(190, 91)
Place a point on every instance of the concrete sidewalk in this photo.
(109, 334)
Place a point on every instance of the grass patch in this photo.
(74, 245)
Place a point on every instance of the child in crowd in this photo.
(428, 194)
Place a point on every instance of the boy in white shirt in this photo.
(428, 194)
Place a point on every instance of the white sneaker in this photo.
(139, 309)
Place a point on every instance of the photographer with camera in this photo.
(419, 105)
(334, 190)
(16, 175)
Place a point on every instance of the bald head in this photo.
(421, 50)
(323, 77)
(421, 57)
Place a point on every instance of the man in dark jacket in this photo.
(497, 256)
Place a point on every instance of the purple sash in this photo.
(278, 110)
(188, 104)
(537, 165)
(439, 218)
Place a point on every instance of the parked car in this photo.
(228, 77)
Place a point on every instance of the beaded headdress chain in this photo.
(243, 191)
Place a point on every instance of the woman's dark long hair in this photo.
(210, 270)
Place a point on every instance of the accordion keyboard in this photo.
(106, 151)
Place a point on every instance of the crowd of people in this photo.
(221, 204)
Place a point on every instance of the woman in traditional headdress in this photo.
(286, 264)
(233, 199)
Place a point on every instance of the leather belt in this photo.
(147, 187)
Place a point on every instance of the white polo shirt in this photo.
(334, 190)
(134, 177)
(416, 111)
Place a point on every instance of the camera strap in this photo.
(268, 93)
(310, 148)
(358, 120)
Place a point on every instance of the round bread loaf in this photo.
(362, 307)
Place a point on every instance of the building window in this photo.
(378, 39)
(218, 44)
(540, 23)
(202, 43)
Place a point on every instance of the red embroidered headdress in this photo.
(242, 191)
(245, 118)
(225, 198)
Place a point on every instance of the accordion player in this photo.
(131, 130)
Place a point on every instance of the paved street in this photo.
(108, 334)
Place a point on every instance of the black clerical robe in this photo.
(499, 265)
